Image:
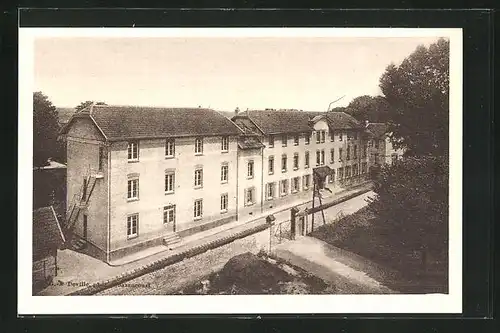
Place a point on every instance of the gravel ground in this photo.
(173, 278)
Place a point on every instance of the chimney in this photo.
(237, 110)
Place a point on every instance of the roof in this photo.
(47, 233)
(279, 121)
(377, 129)
(119, 123)
(249, 142)
(52, 165)
(342, 120)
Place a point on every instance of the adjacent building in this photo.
(139, 177)
(381, 150)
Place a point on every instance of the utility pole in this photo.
(338, 99)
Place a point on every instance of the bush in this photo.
(411, 205)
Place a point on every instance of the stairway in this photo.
(78, 243)
(171, 240)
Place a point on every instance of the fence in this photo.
(282, 231)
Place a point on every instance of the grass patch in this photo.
(359, 233)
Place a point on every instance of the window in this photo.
(340, 154)
(101, 158)
(323, 135)
(249, 196)
(169, 148)
(307, 138)
(376, 144)
(306, 160)
(169, 214)
(283, 163)
(295, 184)
(198, 209)
(330, 178)
(284, 140)
(271, 141)
(355, 170)
(355, 135)
(198, 146)
(295, 161)
(348, 171)
(332, 155)
(225, 144)
(307, 182)
(169, 182)
(363, 148)
(133, 189)
(132, 226)
(318, 157)
(318, 136)
(133, 151)
(370, 143)
(250, 169)
(322, 157)
(270, 191)
(332, 136)
(223, 202)
(394, 158)
(198, 177)
(340, 172)
(224, 170)
(284, 187)
(270, 165)
(355, 151)
(348, 154)
(340, 136)
(363, 167)
(375, 157)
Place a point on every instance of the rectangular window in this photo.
(340, 154)
(322, 157)
(307, 182)
(198, 177)
(249, 196)
(133, 151)
(224, 170)
(198, 146)
(133, 189)
(355, 151)
(318, 137)
(355, 170)
(198, 209)
(225, 144)
(284, 140)
(332, 155)
(169, 214)
(340, 136)
(271, 141)
(296, 140)
(132, 226)
(270, 191)
(348, 154)
(323, 135)
(169, 148)
(223, 202)
(284, 187)
(295, 184)
(295, 161)
(394, 158)
(348, 171)
(169, 182)
(340, 172)
(332, 136)
(376, 144)
(270, 165)
(101, 158)
(363, 167)
(355, 135)
(318, 157)
(283, 163)
(306, 159)
(307, 138)
(250, 169)
(363, 148)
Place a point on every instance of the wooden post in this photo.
(314, 194)
(293, 215)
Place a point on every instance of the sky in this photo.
(220, 73)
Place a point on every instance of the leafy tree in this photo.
(338, 109)
(418, 95)
(45, 130)
(374, 109)
(85, 104)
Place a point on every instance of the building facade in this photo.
(381, 149)
(139, 177)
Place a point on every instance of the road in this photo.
(168, 280)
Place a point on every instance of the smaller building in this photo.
(381, 150)
(47, 237)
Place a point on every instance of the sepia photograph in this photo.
(242, 162)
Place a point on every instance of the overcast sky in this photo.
(221, 73)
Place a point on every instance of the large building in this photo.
(381, 150)
(139, 177)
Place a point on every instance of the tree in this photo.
(374, 109)
(417, 92)
(85, 104)
(45, 130)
